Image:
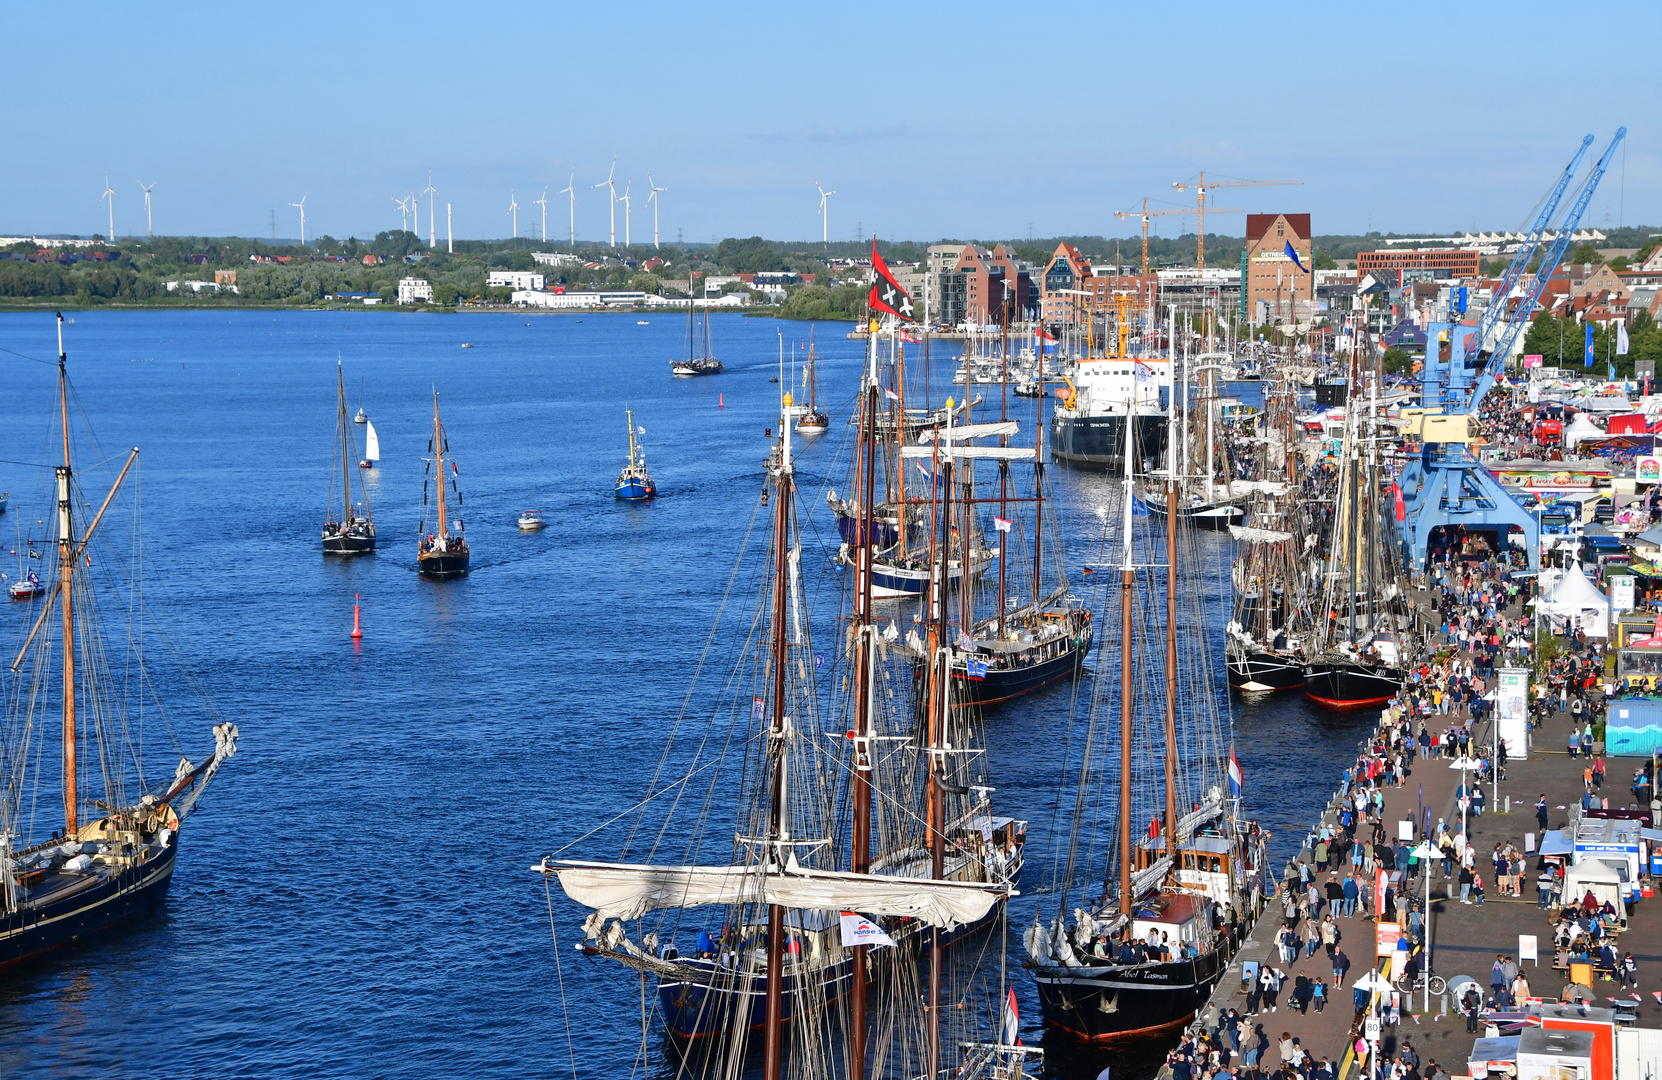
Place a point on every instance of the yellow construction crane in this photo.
(1147, 213)
(1203, 187)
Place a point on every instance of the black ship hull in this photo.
(1110, 1003)
(33, 930)
(1257, 670)
(447, 565)
(342, 544)
(1349, 685)
(1100, 440)
(1006, 684)
(1216, 516)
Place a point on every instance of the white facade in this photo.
(412, 290)
(513, 279)
(555, 258)
(576, 301)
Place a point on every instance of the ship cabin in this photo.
(1184, 919)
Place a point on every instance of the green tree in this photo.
(1397, 361)
(1586, 253)
(1321, 260)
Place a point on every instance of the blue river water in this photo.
(353, 896)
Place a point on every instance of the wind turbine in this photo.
(656, 202)
(513, 208)
(571, 189)
(612, 188)
(302, 205)
(543, 202)
(415, 212)
(624, 198)
(432, 228)
(825, 222)
(403, 209)
(149, 228)
(109, 193)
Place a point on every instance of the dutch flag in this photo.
(1235, 782)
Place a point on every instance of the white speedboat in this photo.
(531, 521)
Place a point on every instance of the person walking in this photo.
(1541, 811)
(1266, 982)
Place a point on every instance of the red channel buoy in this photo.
(721, 401)
(357, 631)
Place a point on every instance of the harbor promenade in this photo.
(1464, 939)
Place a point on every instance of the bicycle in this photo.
(1437, 982)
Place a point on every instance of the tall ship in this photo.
(442, 552)
(1149, 940)
(696, 362)
(1107, 396)
(811, 418)
(813, 925)
(1359, 658)
(113, 853)
(349, 529)
(1208, 496)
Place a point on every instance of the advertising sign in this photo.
(1512, 711)
(1621, 592)
(1532, 360)
(1647, 469)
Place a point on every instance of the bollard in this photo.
(1507, 800)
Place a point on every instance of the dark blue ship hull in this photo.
(34, 930)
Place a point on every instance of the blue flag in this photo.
(1293, 255)
(1138, 507)
(1589, 360)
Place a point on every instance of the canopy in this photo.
(1581, 428)
(630, 890)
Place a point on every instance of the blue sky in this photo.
(988, 120)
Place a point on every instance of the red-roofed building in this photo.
(1271, 278)
(1066, 272)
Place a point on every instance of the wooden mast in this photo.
(346, 448)
(864, 661)
(773, 856)
(438, 455)
(66, 572)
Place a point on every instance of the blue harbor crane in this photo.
(1444, 483)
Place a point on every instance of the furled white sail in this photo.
(972, 431)
(372, 445)
(1004, 453)
(630, 890)
(1258, 536)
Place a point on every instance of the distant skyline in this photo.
(968, 120)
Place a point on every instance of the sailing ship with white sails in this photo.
(113, 852)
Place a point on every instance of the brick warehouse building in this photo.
(1397, 268)
(1271, 279)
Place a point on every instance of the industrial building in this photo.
(1273, 284)
(1399, 268)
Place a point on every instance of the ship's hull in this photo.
(635, 489)
(34, 930)
(1347, 685)
(442, 564)
(1258, 670)
(1217, 516)
(1105, 1004)
(1006, 684)
(348, 544)
(1100, 440)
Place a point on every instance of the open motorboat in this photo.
(531, 521)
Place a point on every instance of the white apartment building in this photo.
(513, 279)
(414, 290)
(555, 258)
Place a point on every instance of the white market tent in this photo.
(1581, 428)
(1575, 598)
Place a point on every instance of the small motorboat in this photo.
(362, 417)
(642, 322)
(467, 344)
(27, 589)
(531, 521)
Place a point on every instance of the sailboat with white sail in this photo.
(372, 447)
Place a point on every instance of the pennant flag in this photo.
(886, 293)
(1012, 1019)
(1589, 360)
(1402, 510)
(1293, 255)
(1001, 525)
(976, 669)
(859, 930)
(1237, 782)
(1621, 339)
(1144, 372)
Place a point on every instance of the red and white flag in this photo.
(859, 930)
(1001, 525)
(908, 337)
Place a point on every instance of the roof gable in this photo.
(1260, 224)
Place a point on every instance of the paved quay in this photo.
(1465, 940)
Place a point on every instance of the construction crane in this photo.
(1202, 187)
(1147, 213)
